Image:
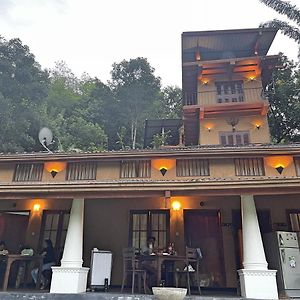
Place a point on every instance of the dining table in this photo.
(27, 259)
(159, 260)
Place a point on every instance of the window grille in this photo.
(230, 91)
(192, 167)
(249, 167)
(28, 172)
(297, 165)
(135, 168)
(234, 138)
(82, 170)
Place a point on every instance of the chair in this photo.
(131, 267)
(192, 257)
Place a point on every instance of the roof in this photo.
(208, 151)
(222, 44)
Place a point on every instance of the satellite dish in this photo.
(46, 138)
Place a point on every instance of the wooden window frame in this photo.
(201, 165)
(252, 166)
(136, 168)
(297, 165)
(29, 171)
(288, 213)
(59, 229)
(234, 134)
(77, 167)
(234, 85)
(149, 212)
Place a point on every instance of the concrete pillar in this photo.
(71, 277)
(257, 282)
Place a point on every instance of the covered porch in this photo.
(205, 219)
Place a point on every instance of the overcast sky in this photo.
(90, 35)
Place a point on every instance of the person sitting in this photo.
(3, 250)
(48, 262)
(148, 266)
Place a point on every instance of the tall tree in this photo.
(136, 89)
(284, 97)
(292, 12)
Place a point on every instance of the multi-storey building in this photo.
(221, 191)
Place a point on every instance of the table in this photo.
(11, 258)
(160, 259)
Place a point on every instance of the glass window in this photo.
(28, 172)
(147, 223)
(234, 138)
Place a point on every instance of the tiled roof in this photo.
(210, 150)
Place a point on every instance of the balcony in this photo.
(223, 97)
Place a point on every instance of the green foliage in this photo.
(160, 139)
(283, 94)
(84, 114)
(292, 12)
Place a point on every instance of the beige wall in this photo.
(210, 129)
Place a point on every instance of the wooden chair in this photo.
(193, 257)
(131, 267)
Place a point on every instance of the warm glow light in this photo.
(166, 164)
(176, 205)
(209, 126)
(36, 207)
(54, 167)
(279, 162)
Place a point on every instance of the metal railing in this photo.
(249, 95)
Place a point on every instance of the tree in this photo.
(284, 98)
(169, 105)
(136, 89)
(292, 12)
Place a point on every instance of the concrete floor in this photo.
(94, 296)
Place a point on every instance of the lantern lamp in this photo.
(163, 171)
(279, 169)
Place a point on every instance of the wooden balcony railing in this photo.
(248, 95)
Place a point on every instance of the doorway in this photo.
(202, 229)
(13, 227)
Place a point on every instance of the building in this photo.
(191, 195)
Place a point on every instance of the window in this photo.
(234, 138)
(82, 170)
(230, 91)
(294, 219)
(135, 168)
(297, 165)
(147, 223)
(28, 172)
(249, 167)
(192, 167)
(54, 227)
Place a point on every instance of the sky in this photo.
(91, 35)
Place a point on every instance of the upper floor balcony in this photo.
(225, 94)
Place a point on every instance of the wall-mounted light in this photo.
(163, 165)
(163, 171)
(209, 129)
(176, 205)
(257, 126)
(280, 169)
(233, 121)
(279, 162)
(197, 55)
(36, 207)
(54, 167)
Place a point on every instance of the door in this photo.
(202, 230)
(13, 227)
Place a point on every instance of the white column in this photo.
(71, 277)
(256, 280)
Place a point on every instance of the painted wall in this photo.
(210, 129)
